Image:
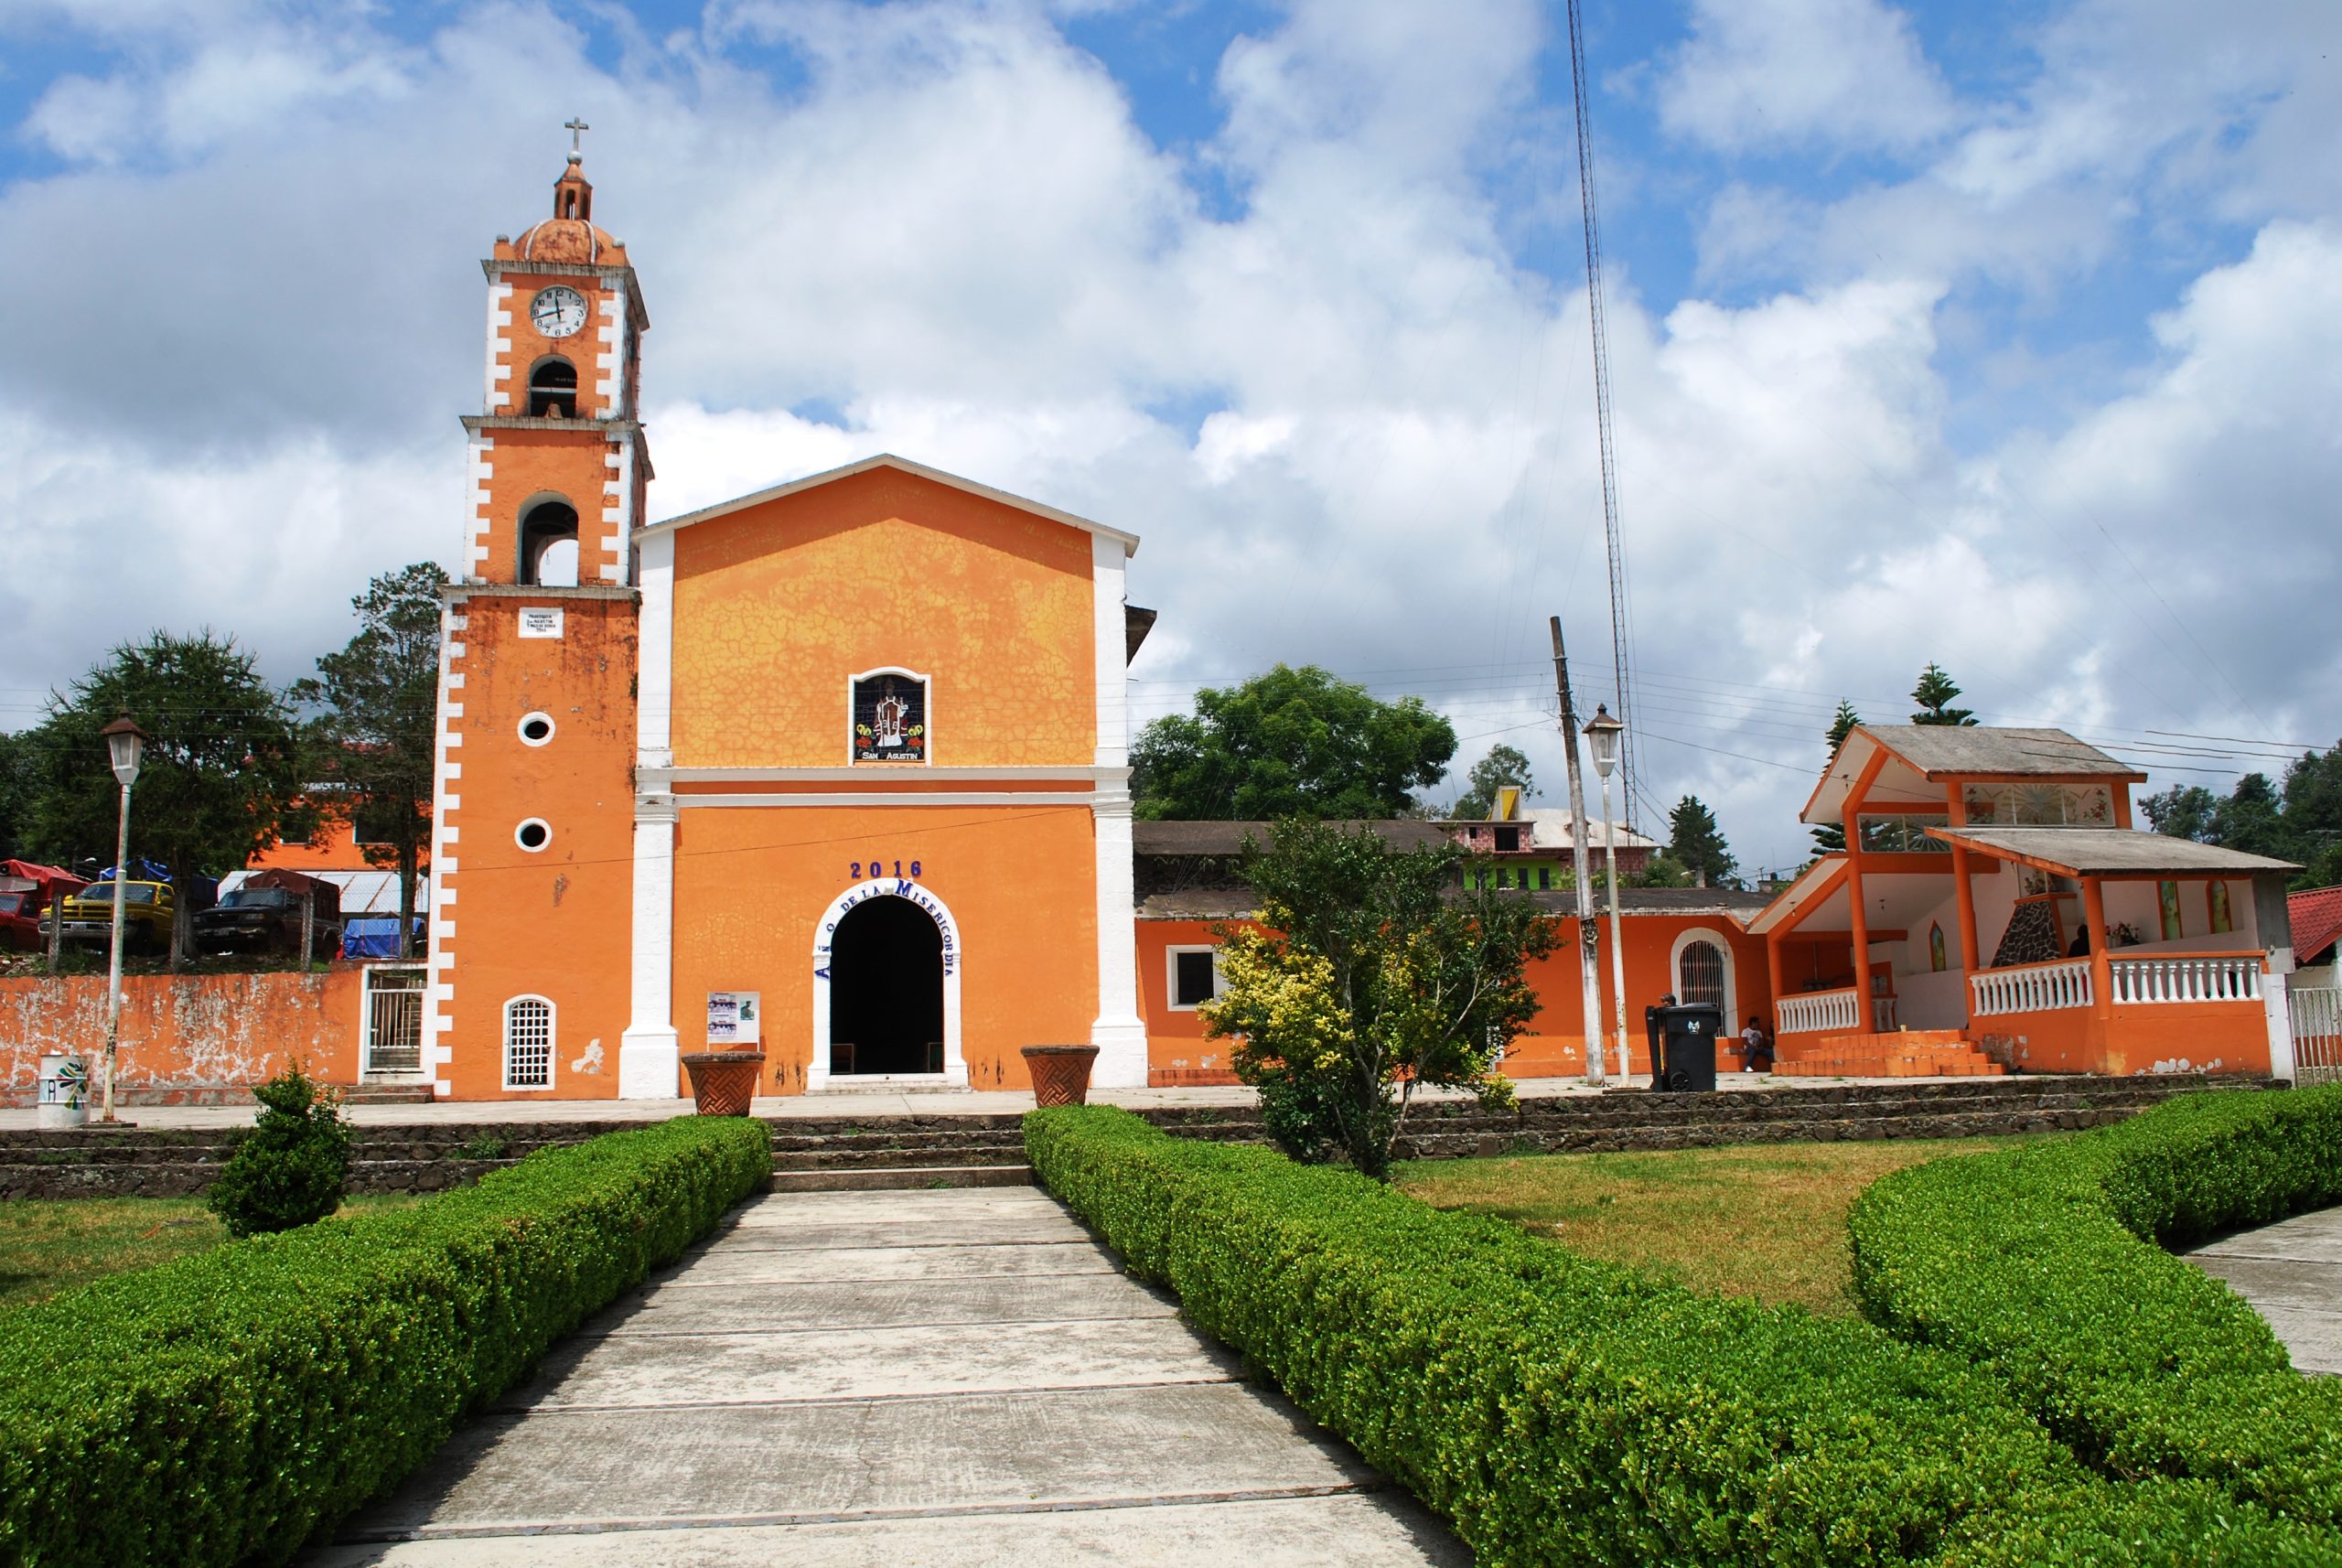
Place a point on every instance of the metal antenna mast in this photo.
(1620, 631)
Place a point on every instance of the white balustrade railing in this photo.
(2030, 988)
(1816, 1011)
(2188, 977)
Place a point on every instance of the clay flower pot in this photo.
(724, 1083)
(1061, 1073)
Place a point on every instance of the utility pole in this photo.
(1582, 872)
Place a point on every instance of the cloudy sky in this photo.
(2003, 334)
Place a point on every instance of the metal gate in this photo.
(2318, 1035)
(395, 996)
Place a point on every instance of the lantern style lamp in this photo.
(1602, 732)
(128, 744)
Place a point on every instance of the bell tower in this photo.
(558, 460)
(532, 878)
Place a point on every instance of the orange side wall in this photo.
(778, 604)
(751, 885)
(1554, 1046)
(2221, 1036)
(554, 923)
(181, 1034)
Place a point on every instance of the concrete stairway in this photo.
(812, 1155)
(1906, 1053)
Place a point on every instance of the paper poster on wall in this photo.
(733, 1018)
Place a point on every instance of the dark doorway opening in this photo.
(887, 990)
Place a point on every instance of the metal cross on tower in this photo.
(576, 127)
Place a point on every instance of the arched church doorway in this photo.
(885, 983)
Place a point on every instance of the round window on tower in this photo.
(536, 729)
(532, 835)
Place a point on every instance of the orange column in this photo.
(1773, 973)
(1858, 917)
(2101, 969)
(1967, 898)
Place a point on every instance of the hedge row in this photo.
(230, 1405)
(1560, 1410)
(2045, 1267)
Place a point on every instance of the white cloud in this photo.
(1770, 74)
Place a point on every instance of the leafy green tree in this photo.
(1830, 837)
(220, 771)
(289, 1169)
(1697, 843)
(376, 738)
(16, 791)
(2182, 811)
(2252, 818)
(1503, 768)
(1372, 974)
(1290, 742)
(1935, 693)
(2313, 810)
(1661, 870)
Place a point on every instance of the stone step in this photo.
(900, 1178)
(942, 1157)
(845, 1142)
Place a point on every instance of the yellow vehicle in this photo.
(146, 911)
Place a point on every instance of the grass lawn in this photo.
(1763, 1219)
(52, 1245)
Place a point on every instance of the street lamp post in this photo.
(1603, 734)
(125, 742)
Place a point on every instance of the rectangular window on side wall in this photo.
(1195, 977)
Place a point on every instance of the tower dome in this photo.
(569, 236)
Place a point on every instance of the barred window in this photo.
(1700, 974)
(528, 1043)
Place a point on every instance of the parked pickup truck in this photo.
(26, 890)
(268, 919)
(147, 911)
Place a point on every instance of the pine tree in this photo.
(1697, 843)
(1934, 695)
(1830, 837)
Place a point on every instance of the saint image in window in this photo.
(890, 717)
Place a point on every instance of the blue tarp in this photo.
(373, 938)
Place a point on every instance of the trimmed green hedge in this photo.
(230, 1405)
(2042, 1265)
(1560, 1410)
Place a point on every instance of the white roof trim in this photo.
(904, 465)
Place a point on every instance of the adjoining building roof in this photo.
(2316, 919)
(1942, 752)
(902, 465)
(1549, 828)
(2111, 852)
(1227, 838)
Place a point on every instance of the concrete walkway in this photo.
(948, 1378)
(2292, 1273)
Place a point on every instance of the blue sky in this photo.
(1999, 334)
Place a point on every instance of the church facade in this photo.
(837, 770)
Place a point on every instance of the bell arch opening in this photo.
(885, 991)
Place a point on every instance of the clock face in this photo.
(558, 311)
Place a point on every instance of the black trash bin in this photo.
(1684, 1046)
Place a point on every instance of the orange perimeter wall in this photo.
(183, 1034)
(1554, 1047)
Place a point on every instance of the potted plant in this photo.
(724, 1083)
(1061, 1073)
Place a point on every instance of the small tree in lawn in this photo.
(1935, 695)
(377, 738)
(1830, 837)
(289, 1169)
(1372, 974)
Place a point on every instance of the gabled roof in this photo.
(2316, 919)
(1816, 882)
(901, 465)
(1942, 752)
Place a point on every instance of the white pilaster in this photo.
(1119, 1033)
(2276, 983)
(655, 656)
(648, 1055)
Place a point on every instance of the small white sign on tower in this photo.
(541, 623)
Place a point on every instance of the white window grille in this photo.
(1700, 974)
(528, 1043)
